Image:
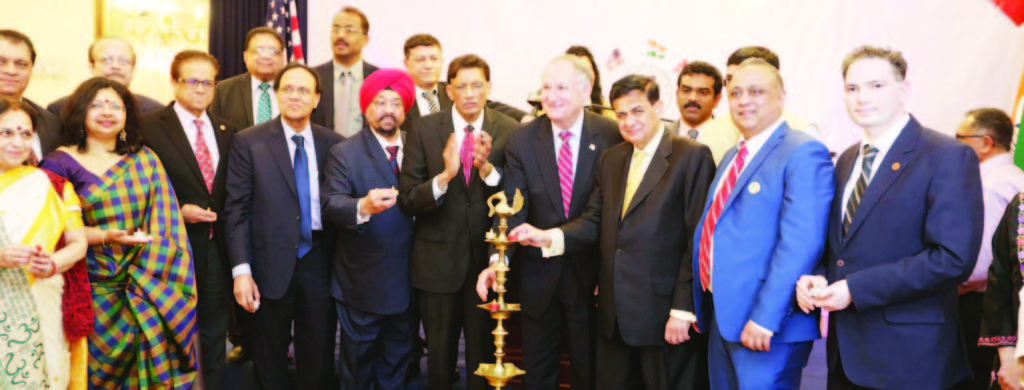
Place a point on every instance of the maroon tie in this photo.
(203, 156)
(706, 234)
(392, 158)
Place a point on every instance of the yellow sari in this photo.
(37, 355)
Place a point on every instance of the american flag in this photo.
(282, 16)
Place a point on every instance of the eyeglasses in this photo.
(302, 91)
(348, 30)
(195, 83)
(111, 60)
(108, 105)
(384, 104)
(962, 136)
(266, 51)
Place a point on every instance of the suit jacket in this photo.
(49, 128)
(323, 115)
(445, 103)
(532, 168)
(232, 100)
(371, 260)
(914, 239)
(163, 133)
(771, 231)
(449, 240)
(645, 256)
(262, 217)
(146, 104)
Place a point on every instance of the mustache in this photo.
(341, 40)
(692, 104)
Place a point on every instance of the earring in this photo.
(122, 136)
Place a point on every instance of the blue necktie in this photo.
(301, 168)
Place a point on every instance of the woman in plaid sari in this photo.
(41, 245)
(139, 262)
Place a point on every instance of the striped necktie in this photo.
(862, 184)
(565, 171)
(715, 211)
(431, 98)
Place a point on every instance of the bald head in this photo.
(113, 58)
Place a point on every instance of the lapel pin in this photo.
(895, 166)
(592, 147)
(754, 187)
(222, 128)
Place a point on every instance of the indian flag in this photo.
(1018, 118)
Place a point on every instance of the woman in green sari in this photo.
(38, 210)
(139, 263)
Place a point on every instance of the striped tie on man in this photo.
(869, 153)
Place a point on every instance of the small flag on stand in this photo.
(283, 18)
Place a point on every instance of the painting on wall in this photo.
(157, 29)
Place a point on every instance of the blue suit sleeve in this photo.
(337, 194)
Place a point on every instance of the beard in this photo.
(387, 130)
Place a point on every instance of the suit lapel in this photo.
(617, 188)
(176, 133)
(246, 92)
(279, 148)
(378, 159)
(322, 150)
(844, 167)
(442, 96)
(659, 164)
(902, 153)
(584, 164)
(548, 164)
(327, 80)
(773, 141)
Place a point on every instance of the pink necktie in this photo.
(467, 153)
(565, 171)
(203, 156)
(706, 234)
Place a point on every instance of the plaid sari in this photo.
(143, 296)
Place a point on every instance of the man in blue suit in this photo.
(371, 284)
(904, 231)
(763, 227)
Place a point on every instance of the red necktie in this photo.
(392, 155)
(565, 171)
(707, 233)
(467, 153)
(203, 156)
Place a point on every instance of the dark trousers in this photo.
(981, 359)
(571, 307)
(374, 348)
(309, 305)
(238, 329)
(625, 367)
(215, 295)
(444, 316)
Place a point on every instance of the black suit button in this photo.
(840, 263)
(298, 218)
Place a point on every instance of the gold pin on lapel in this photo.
(754, 187)
(592, 147)
(222, 128)
(895, 166)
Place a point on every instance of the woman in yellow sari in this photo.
(41, 237)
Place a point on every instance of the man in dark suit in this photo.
(374, 239)
(645, 205)
(344, 73)
(193, 145)
(904, 231)
(113, 58)
(552, 160)
(17, 58)
(452, 165)
(275, 237)
(423, 61)
(248, 99)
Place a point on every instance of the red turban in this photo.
(395, 79)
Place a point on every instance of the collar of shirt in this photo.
(187, 118)
(357, 69)
(653, 145)
(755, 143)
(306, 133)
(995, 162)
(256, 86)
(576, 128)
(384, 143)
(422, 103)
(886, 139)
(420, 91)
(460, 125)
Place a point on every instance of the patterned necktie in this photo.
(862, 184)
(263, 108)
(633, 178)
(467, 153)
(341, 109)
(203, 156)
(692, 133)
(565, 171)
(301, 169)
(706, 234)
(431, 98)
(393, 157)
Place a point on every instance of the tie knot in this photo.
(199, 124)
(692, 133)
(870, 151)
(743, 149)
(639, 153)
(428, 94)
(469, 129)
(392, 150)
(565, 135)
(297, 139)
(264, 86)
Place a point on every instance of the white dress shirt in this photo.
(423, 104)
(188, 123)
(1000, 183)
(576, 129)
(493, 178)
(384, 143)
(314, 183)
(256, 93)
(353, 83)
(713, 133)
(883, 143)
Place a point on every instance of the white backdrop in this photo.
(962, 54)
